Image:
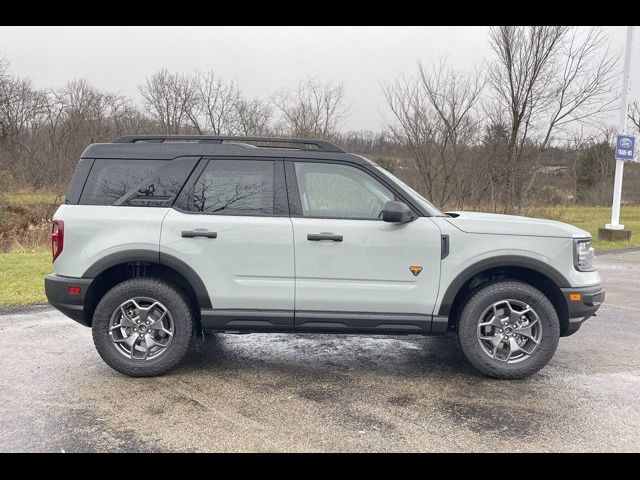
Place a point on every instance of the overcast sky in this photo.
(260, 59)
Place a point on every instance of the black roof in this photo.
(172, 146)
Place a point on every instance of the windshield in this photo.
(432, 210)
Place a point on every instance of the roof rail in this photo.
(302, 144)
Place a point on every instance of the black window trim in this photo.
(280, 204)
(295, 204)
(78, 181)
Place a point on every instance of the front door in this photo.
(353, 270)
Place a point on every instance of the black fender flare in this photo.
(496, 262)
(153, 256)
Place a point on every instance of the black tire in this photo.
(471, 315)
(175, 302)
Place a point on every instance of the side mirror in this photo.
(397, 212)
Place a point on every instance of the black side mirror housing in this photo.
(397, 212)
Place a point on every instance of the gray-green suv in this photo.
(161, 237)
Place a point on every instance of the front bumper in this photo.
(72, 305)
(581, 308)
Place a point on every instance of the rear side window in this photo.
(110, 180)
(245, 187)
(143, 183)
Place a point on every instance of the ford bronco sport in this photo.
(164, 237)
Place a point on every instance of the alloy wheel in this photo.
(509, 331)
(141, 328)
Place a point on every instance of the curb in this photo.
(24, 308)
(618, 250)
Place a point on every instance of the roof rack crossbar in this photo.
(303, 144)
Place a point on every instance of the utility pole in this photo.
(614, 230)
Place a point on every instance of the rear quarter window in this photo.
(144, 183)
(110, 180)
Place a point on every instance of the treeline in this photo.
(526, 128)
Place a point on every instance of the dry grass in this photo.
(25, 220)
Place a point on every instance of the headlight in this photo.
(583, 254)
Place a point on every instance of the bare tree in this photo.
(214, 107)
(584, 84)
(543, 79)
(21, 107)
(314, 109)
(433, 118)
(169, 98)
(634, 114)
(594, 168)
(253, 117)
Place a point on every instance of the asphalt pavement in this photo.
(291, 392)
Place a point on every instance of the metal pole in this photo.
(622, 128)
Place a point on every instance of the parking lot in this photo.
(325, 393)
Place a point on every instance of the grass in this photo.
(23, 268)
(33, 198)
(22, 276)
(592, 218)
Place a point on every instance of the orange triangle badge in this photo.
(415, 269)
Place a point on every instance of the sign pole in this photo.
(622, 129)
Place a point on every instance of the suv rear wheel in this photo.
(142, 327)
(508, 329)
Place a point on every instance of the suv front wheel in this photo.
(142, 327)
(508, 329)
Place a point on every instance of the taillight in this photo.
(57, 238)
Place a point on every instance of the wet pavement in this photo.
(325, 392)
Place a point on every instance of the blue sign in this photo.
(625, 147)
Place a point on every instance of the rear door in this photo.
(231, 226)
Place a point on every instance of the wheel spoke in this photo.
(517, 316)
(157, 324)
(531, 323)
(514, 315)
(516, 348)
(133, 345)
(147, 347)
(151, 342)
(527, 333)
(494, 322)
(495, 309)
(130, 340)
(160, 328)
(127, 320)
(494, 339)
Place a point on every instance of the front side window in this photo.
(339, 191)
(235, 187)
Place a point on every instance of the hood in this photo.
(494, 223)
